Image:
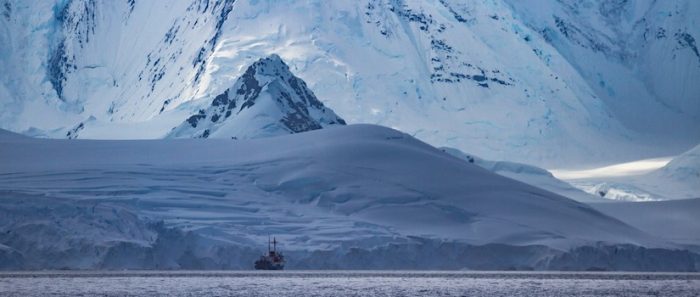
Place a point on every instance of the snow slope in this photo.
(640, 57)
(349, 193)
(675, 220)
(528, 174)
(504, 79)
(683, 169)
(74, 59)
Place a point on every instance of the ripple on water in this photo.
(347, 283)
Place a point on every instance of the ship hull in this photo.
(264, 265)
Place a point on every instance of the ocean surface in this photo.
(346, 283)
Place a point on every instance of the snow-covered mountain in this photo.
(546, 83)
(357, 196)
(266, 100)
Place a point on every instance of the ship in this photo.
(273, 260)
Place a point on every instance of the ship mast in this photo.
(274, 244)
(268, 244)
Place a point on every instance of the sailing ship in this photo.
(273, 260)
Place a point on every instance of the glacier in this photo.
(357, 196)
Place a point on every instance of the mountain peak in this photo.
(272, 66)
(272, 59)
(268, 99)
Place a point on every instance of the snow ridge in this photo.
(531, 175)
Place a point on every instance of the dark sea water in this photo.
(346, 283)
